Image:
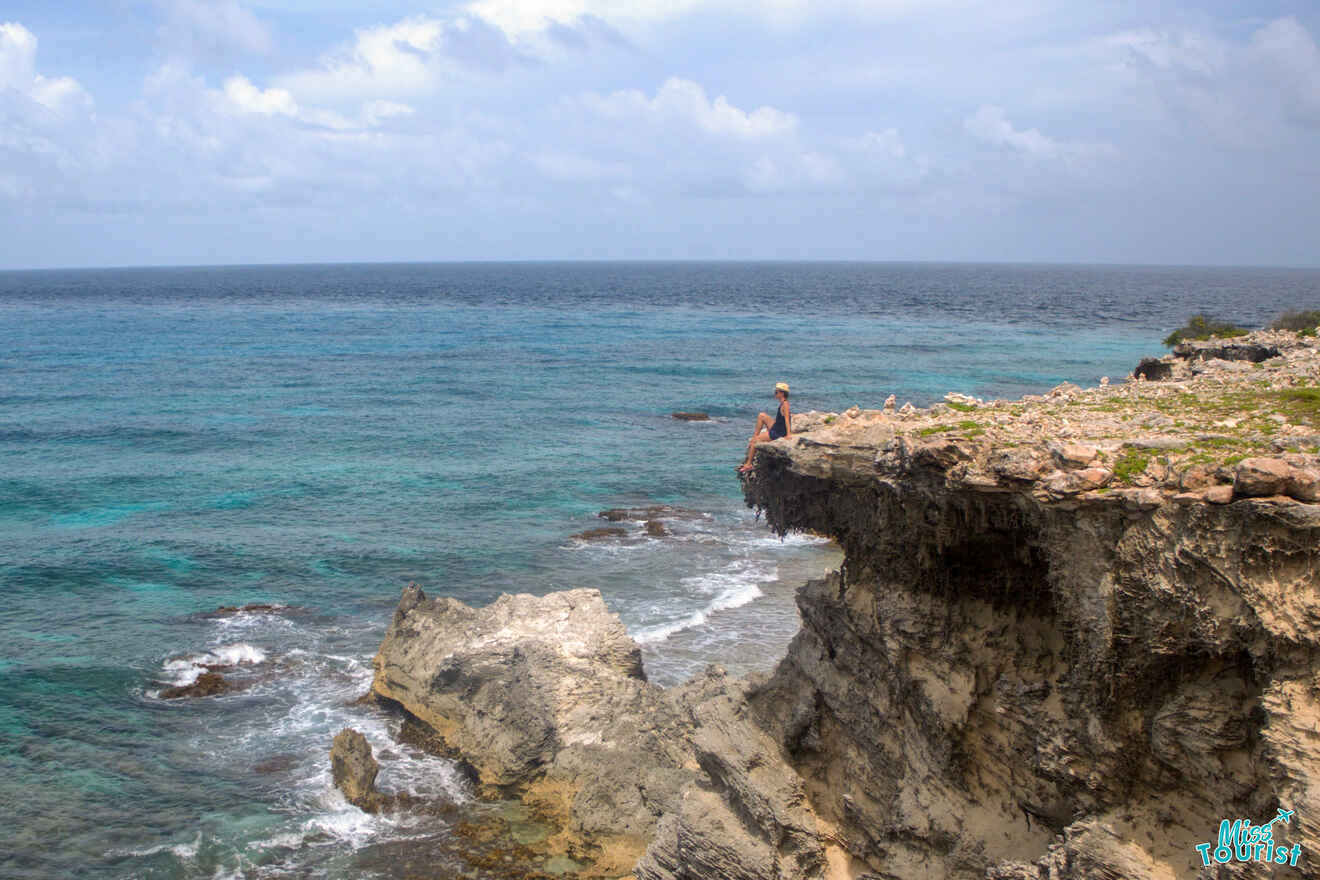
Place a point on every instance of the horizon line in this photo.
(659, 261)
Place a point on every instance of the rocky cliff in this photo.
(1071, 634)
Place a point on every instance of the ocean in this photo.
(315, 437)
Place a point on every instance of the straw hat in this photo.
(781, 386)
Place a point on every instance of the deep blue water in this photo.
(174, 440)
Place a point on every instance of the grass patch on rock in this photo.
(1303, 322)
(1130, 465)
(1200, 327)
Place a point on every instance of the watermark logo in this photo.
(1241, 841)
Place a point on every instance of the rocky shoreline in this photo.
(1070, 634)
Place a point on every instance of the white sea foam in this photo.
(182, 851)
(794, 539)
(345, 823)
(735, 585)
(186, 670)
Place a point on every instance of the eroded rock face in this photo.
(1006, 682)
(1071, 633)
(546, 699)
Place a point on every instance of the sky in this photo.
(170, 132)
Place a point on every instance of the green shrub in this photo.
(1302, 322)
(1130, 465)
(1203, 327)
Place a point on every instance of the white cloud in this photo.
(1248, 95)
(18, 73)
(990, 124)
(247, 98)
(244, 144)
(409, 57)
(213, 25)
(1287, 55)
(520, 18)
(683, 102)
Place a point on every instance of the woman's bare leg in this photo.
(761, 437)
(762, 421)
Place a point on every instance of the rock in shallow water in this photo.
(353, 769)
(545, 698)
(600, 533)
(208, 684)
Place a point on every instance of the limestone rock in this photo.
(602, 532)
(353, 768)
(208, 684)
(1028, 679)
(1153, 370)
(691, 416)
(545, 698)
(1219, 349)
(1303, 484)
(1261, 476)
(1074, 455)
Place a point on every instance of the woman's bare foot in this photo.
(744, 468)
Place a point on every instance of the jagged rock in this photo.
(691, 416)
(251, 608)
(1261, 476)
(1022, 465)
(1074, 455)
(1065, 389)
(890, 402)
(1075, 482)
(656, 529)
(1018, 682)
(1303, 484)
(602, 532)
(208, 684)
(653, 511)
(1153, 370)
(353, 769)
(544, 697)
(1218, 349)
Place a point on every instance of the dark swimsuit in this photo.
(779, 428)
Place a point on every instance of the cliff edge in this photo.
(1071, 633)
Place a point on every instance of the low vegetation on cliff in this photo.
(1199, 432)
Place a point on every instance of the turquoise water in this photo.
(176, 440)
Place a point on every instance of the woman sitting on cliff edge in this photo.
(766, 430)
